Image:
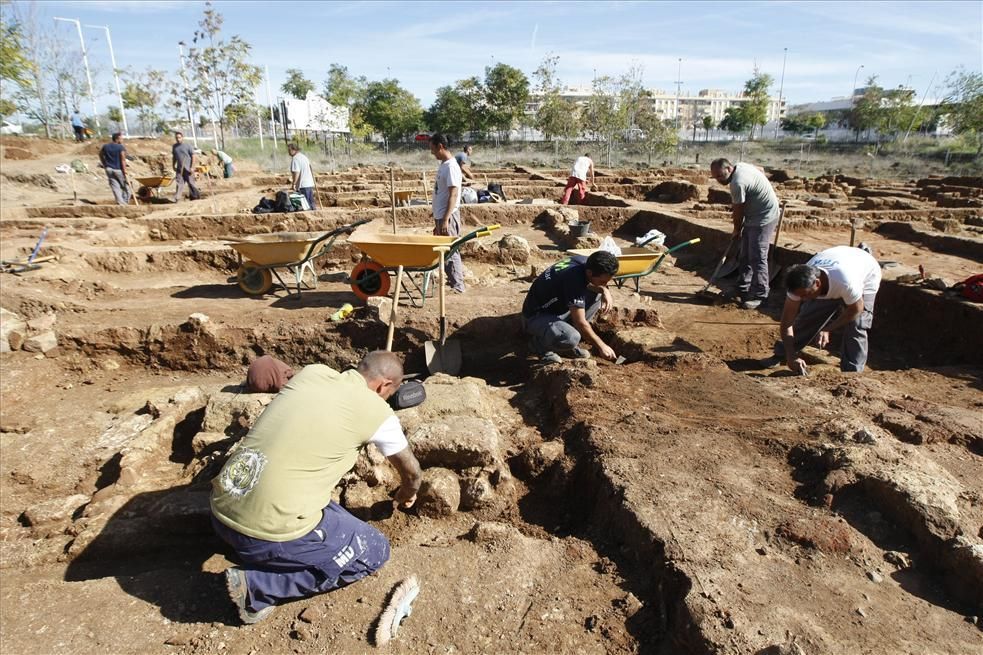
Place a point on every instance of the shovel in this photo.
(392, 312)
(443, 356)
(774, 270)
(704, 292)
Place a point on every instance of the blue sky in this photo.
(428, 44)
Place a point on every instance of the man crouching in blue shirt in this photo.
(561, 303)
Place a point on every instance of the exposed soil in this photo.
(689, 501)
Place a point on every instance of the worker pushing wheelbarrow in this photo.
(413, 253)
(260, 255)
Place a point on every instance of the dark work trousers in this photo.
(338, 551)
(185, 176)
(752, 281)
(550, 332)
(815, 315)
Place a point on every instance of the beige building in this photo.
(691, 108)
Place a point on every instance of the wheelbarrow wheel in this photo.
(254, 280)
(368, 279)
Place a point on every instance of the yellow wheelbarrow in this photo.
(260, 256)
(150, 186)
(413, 252)
(636, 262)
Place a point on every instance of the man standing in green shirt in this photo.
(272, 500)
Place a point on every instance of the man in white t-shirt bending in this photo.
(834, 289)
(302, 177)
(581, 175)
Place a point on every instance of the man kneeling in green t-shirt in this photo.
(272, 500)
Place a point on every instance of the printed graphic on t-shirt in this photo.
(242, 472)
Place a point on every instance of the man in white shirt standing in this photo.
(581, 174)
(303, 176)
(446, 201)
(834, 289)
(754, 210)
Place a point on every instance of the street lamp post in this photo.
(85, 60)
(781, 88)
(112, 58)
(853, 91)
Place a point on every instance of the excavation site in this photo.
(692, 497)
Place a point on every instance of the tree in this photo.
(755, 108)
(114, 114)
(391, 110)
(735, 120)
(817, 122)
(224, 75)
(31, 68)
(506, 95)
(602, 115)
(344, 90)
(658, 136)
(963, 104)
(14, 67)
(866, 112)
(556, 116)
(707, 125)
(448, 113)
(796, 124)
(297, 85)
(143, 93)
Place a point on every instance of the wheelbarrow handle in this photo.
(485, 231)
(691, 242)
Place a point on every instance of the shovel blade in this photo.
(444, 358)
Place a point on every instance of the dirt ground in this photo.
(692, 500)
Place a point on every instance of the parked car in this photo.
(422, 136)
(11, 128)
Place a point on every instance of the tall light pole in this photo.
(679, 87)
(853, 91)
(781, 87)
(112, 58)
(85, 60)
(187, 93)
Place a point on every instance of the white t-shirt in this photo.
(389, 438)
(448, 176)
(300, 162)
(580, 167)
(853, 273)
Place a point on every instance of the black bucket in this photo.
(580, 228)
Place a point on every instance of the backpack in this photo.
(282, 202)
(265, 205)
(971, 288)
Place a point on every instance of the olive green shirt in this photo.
(281, 476)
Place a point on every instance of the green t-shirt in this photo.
(281, 476)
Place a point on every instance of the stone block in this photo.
(41, 343)
(440, 493)
(54, 510)
(459, 442)
(234, 413)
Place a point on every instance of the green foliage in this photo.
(658, 135)
(707, 123)
(963, 104)
(802, 123)
(390, 110)
(735, 120)
(14, 66)
(7, 107)
(342, 89)
(448, 113)
(221, 68)
(114, 114)
(866, 112)
(755, 109)
(144, 93)
(556, 116)
(297, 85)
(506, 95)
(603, 115)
